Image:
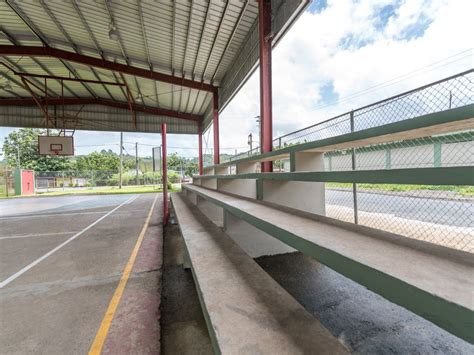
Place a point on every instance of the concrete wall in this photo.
(209, 183)
(370, 160)
(421, 156)
(304, 196)
(452, 154)
(247, 168)
(252, 240)
(241, 187)
(457, 154)
(213, 212)
(341, 162)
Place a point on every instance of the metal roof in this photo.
(180, 51)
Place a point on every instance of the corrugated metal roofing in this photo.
(213, 42)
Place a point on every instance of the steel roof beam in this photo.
(231, 37)
(197, 53)
(104, 102)
(36, 51)
(15, 42)
(27, 21)
(122, 47)
(215, 38)
(147, 50)
(89, 32)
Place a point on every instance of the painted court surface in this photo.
(67, 261)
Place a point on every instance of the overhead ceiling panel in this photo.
(213, 42)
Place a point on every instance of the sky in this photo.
(339, 55)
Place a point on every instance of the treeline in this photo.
(20, 149)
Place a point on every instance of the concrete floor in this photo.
(57, 305)
(365, 322)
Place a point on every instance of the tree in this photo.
(21, 150)
(105, 161)
(189, 166)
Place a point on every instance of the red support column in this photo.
(200, 149)
(165, 174)
(265, 34)
(215, 121)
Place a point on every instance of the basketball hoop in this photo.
(55, 148)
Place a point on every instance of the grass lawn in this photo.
(467, 191)
(106, 190)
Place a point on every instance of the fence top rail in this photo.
(451, 120)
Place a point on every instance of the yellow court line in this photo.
(96, 347)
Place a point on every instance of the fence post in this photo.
(62, 173)
(6, 181)
(354, 185)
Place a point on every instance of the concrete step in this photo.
(246, 310)
(431, 281)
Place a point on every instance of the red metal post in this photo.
(164, 174)
(265, 36)
(200, 149)
(215, 124)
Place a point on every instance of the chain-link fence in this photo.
(452, 92)
(439, 214)
(49, 181)
(7, 187)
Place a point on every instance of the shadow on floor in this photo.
(183, 328)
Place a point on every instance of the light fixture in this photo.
(113, 33)
(139, 98)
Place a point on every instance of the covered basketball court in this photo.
(84, 274)
(166, 67)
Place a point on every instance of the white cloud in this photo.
(311, 56)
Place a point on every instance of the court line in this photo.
(67, 241)
(36, 235)
(99, 340)
(49, 215)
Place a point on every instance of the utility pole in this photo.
(136, 163)
(18, 154)
(121, 160)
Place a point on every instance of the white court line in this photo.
(35, 235)
(49, 215)
(37, 261)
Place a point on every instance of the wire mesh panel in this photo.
(49, 181)
(436, 214)
(456, 149)
(452, 92)
(439, 214)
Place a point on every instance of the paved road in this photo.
(439, 211)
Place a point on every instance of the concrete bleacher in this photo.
(274, 213)
(246, 310)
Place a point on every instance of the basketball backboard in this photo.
(55, 145)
